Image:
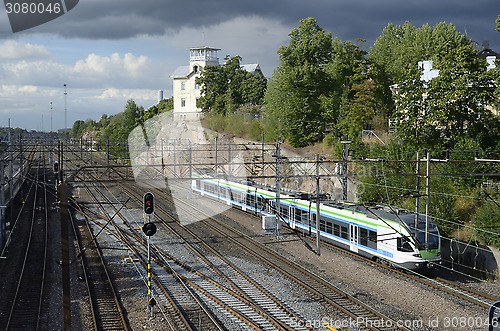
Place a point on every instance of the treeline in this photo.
(323, 83)
(116, 128)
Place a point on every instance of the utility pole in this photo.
(417, 190)
(11, 179)
(278, 183)
(317, 205)
(428, 201)
(65, 108)
(345, 154)
(51, 129)
(2, 202)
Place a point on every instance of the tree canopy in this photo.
(402, 46)
(224, 88)
(319, 83)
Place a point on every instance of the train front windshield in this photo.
(433, 231)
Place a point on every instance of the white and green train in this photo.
(376, 232)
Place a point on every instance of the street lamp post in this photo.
(65, 109)
(51, 116)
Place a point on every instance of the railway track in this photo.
(107, 312)
(248, 300)
(26, 300)
(348, 306)
(181, 303)
(253, 315)
(452, 288)
(477, 298)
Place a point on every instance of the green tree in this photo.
(225, 88)
(459, 95)
(415, 125)
(401, 46)
(296, 91)
(435, 114)
(163, 106)
(362, 95)
(77, 129)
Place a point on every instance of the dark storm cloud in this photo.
(346, 19)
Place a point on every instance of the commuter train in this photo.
(379, 232)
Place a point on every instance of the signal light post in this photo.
(149, 229)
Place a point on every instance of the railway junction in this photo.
(79, 256)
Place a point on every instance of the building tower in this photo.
(185, 90)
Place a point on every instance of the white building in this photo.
(185, 90)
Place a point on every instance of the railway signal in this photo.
(149, 229)
(149, 203)
(56, 167)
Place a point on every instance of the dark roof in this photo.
(484, 50)
(487, 52)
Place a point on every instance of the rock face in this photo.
(169, 148)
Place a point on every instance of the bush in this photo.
(255, 130)
(487, 219)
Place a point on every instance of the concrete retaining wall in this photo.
(473, 257)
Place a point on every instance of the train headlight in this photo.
(417, 255)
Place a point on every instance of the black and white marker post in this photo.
(149, 229)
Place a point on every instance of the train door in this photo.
(292, 216)
(354, 237)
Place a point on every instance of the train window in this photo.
(336, 230)
(404, 245)
(343, 232)
(305, 217)
(321, 225)
(372, 239)
(298, 213)
(329, 227)
(284, 211)
(259, 202)
(197, 183)
(210, 188)
(250, 200)
(363, 236)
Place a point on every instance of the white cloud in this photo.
(126, 94)
(12, 49)
(95, 71)
(114, 65)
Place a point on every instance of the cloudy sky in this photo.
(108, 51)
